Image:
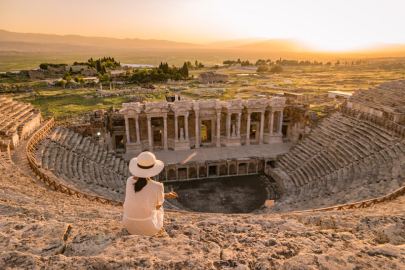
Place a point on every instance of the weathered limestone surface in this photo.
(44, 229)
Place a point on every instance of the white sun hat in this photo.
(145, 165)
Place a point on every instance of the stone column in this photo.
(197, 131)
(261, 128)
(198, 170)
(150, 134)
(127, 129)
(280, 122)
(138, 137)
(186, 126)
(228, 126)
(271, 123)
(227, 164)
(218, 129)
(166, 171)
(176, 129)
(248, 130)
(165, 132)
(238, 126)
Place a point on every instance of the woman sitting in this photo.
(143, 211)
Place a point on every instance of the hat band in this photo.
(145, 167)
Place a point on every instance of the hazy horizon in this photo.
(327, 25)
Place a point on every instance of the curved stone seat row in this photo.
(389, 94)
(44, 229)
(17, 120)
(82, 164)
(348, 158)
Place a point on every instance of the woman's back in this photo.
(142, 204)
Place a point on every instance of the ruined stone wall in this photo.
(38, 74)
(211, 77)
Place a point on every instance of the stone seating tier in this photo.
(343, 160)
(17, 120)
(82, 164)
(44, 229)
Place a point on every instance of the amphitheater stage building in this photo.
(224, 153)
(215, 162)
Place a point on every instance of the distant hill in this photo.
(153, 51)
(278, 45)
(234, 43)
(40, 42)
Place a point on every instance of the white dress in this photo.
(140, 214)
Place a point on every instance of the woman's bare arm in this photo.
(171, 194)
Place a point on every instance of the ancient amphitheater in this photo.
(341, 182)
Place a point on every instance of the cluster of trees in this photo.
(265, 68)
(239, 62)
(285, 62)
(195, 66)
(101, 64)
(46, 65)
(67, 80)
(162, 73)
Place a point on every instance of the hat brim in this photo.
(139, 172)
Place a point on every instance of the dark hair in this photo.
(138, 186)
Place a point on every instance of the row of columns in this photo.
(197, 128)
(176, 128)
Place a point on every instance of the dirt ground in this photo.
(237, 194)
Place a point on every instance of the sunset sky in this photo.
(334, 25)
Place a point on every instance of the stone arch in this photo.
(202, 172)
(193, 172)
(232, 169)
(182, 173)
(242, 168)
(252, 167)
(162, 175)
(172, 174)
(223, 170)
(260, 166)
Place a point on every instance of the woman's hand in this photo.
(170, 195)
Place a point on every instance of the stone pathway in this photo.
(203, 154)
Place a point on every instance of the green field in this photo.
(61, 103)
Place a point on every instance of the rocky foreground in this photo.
(44, 229)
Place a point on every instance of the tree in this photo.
(104, 78)
(43, 66)
(196, 64)
(337, 63)
(184, 70)
(67, 77)
(329, 64)
(98, 66)
(262, 68)
(277, 69)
